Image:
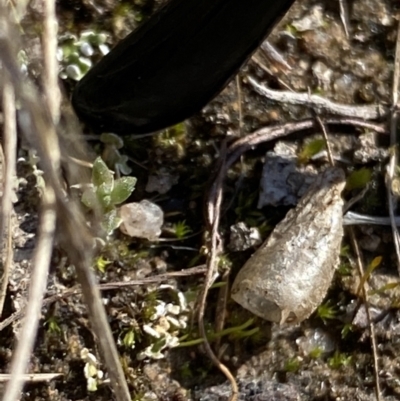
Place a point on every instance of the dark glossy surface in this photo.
(174, 64)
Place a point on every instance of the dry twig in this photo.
(361, 272)
(391, 168)
(321, 104)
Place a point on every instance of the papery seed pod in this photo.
(289, 275)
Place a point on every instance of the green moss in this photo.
(310, 149)
(292, 365)
(181, 229)
(327, 311)
(359, 179)
(316, 353)
(52, 326)
(339, 359)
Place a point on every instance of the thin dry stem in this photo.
(361, 272)
(326, 139)
(344, 16)
(240, 104)
(77, 290)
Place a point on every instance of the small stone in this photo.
(141, 220)
(243, 237)
(283, 181)
(316, 339)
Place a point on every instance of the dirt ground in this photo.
(329, 356)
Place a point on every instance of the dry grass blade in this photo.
(344, 16)
(51, 87)
(36, 123)
(32, 377)
(41, 263)
(10, 145)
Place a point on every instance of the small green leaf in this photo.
(112, 139)
(375, 263)
(104, 195)
(111, 221)
(358, 179)
(102, 175)
(89, 198)
(123, 188)
(122, 165)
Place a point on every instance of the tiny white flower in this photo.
(89, 371)
(175, 322)
(91, 384)
(149, 330)
(174, 309)
(182, 301)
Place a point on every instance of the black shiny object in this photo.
(174, 64)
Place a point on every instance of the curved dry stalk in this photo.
(213, 216)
